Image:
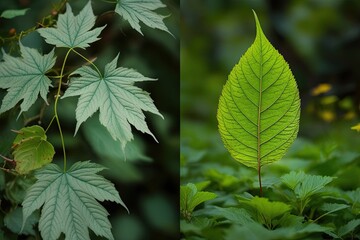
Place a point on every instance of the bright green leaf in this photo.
(120, 102)
(293, 178)
(259, 107)
(69, 201)
(266, 211)
(31, 149)
(202, 185)
(136, 11)
(349, 227)
(24, 78)
(12, 13)
(305, 185)
(73, 31)
(27, 133)
(190, 197)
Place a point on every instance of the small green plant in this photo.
(67, 195)
(191, 195)
(259, 108)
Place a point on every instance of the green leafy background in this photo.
(148, 179)
(320, 41)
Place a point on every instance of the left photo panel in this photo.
(89, 119)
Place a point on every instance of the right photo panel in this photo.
(270, 128)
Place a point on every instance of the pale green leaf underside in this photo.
(73, 31)
(259, 107)
(119, 101)
(136, 11)
(24, 78)
(31, 149)
(69, 201)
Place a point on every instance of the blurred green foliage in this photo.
(321, 42)
(147, 178)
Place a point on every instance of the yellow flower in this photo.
(321, 88)
(327, 116)
(356, 127)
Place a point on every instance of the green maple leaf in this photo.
(73, 31)
(24, 78)
(135, 11)
(69, 201)
(120, 102)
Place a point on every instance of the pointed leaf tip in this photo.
(79, 29)
(120, 102)
(259, 31)
(74, 207)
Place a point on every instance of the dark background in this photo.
(147, 180)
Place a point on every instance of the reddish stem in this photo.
(259, 174)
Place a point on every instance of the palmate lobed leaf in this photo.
(69, 201)
(73, 31)
(24, 78)
(259, 107)
(135, 11)
(120, 102)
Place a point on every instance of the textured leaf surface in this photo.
(120, 102)
(190, 197)
(235, 215)
(136, 11)
(259, 106)
(69, 201)
(24, 78)
(266, 211)
(305, 185)
(31, 149)
(349, 227)
(73, 31)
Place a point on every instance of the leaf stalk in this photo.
(90, 62)
(56, 105)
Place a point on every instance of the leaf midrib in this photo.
(259, 107)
